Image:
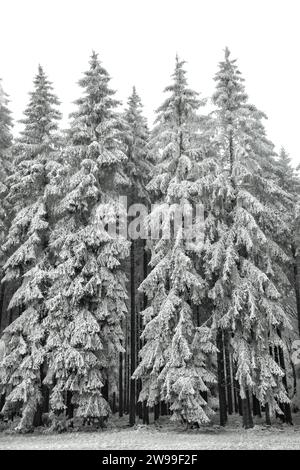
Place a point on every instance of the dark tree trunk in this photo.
(228, 373)
(236, 389)
(2, 401)
(132, 409)
(126, 372)
(120, 385)
(267, 411)
(42, 407)
(221, 379)
(281, 416)
(145, 413)
(256, 406)
(164, 408)
(145, 274)
(70, 406)
(156, 411)
(105, 390)
(286, 406)
(236, 399)
(247, 415)
(250, 417)
(2, 289)
(294, 378)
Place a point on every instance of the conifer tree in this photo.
(173, 359)
(5, 160)
(86, 303)
(242, 257)
(289, 181)
(26, 246)
(5, 168)
(138, 169)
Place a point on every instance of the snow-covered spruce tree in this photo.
(289, 181)
(5, 168)
(242, 257)
(87, 299)
(173, 359)
(136, 135)
(26, 245)
(5, 157)
(138, 168)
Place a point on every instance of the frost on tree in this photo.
(286, 233)
(138, 168)
(243, 259)
(86, 303)
(173, 359)
(5, 158)
(136, 135)
(26, 248)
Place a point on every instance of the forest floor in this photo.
(163, 435)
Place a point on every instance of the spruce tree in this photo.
(136, 135)
(5, 168)
(289, 180)
(242, 256)
(26, 247)
(173, 359)
(86, 303)
(5, 158)
(138, 169)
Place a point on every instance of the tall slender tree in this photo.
(242, 257)
(87, 300)
(173, 359)
(5, 169)
(26, 246)
(138, 170)
(5, 157)
(289, 181)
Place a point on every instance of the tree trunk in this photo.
(42, 407)
(286, 406)
(156, 411)
(70, 406)
(267, 411)
(164, 408)
(2, 289)
(120, 385)
(126, 368)
(221, 378)
(256, 406)
(228, 373)
(145, 274)
(132, 409)
(105, 390)
(145, 413)
(247, 415)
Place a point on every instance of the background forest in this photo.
(94, 325)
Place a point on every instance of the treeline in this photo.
(94, 324)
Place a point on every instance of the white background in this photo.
(137, 41)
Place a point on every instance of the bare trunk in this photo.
(228, 373)
(132, 337)
(221, 379)
(121, 385)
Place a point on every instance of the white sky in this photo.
(137, 41)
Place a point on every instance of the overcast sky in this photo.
(137, 41)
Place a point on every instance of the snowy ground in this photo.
(164, 437)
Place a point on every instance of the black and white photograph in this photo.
(149, 227)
